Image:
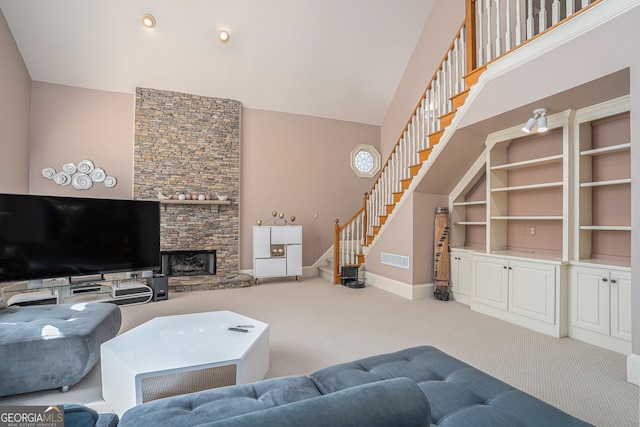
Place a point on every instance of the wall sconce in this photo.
(539, 117)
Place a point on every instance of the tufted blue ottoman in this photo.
(459, 394)
(51, 346)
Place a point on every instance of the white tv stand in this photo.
(117, 291)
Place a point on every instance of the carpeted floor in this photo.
(315, 324)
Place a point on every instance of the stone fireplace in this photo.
(189, 144)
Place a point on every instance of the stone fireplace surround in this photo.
(191, 144)
(188, 263)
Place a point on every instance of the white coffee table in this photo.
(172, 344)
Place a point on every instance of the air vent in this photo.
(395, 260)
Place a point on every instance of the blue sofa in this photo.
(420, 386)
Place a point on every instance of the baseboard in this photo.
(405, 290)
(633, 369)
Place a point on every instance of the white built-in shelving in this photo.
(528, 190)
(603, 178)
(600, 272)
(556, 217)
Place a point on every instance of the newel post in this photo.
(364, 218)
(336, 252)
(470, 25)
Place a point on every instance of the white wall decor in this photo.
(81, 176)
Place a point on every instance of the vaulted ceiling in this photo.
(339, 59)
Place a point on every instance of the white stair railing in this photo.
(436, 101)
(502, 25)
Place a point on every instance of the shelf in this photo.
(606, 227)
(474, 203)
(529, 163)
(470, 223)
(606, 183)
(529, 218)
(606, 150)
(555, 257)
(195, 202)
(528, 187)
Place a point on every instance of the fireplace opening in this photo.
(188, 263)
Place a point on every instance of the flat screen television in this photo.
(49, 236)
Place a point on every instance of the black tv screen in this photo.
(49, 236)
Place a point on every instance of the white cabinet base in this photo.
(527, 293)
(600, 307)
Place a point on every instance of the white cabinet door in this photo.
(491, 281)
(294, 260)
(286, 235)
(464, 273)
(621, 305)
(532, 290)
(261, 242)
(590, 305)
(461, 272)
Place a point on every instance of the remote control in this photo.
(238, 330)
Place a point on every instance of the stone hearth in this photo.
(206, 283)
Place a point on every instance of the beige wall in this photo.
(411, 233)
(299, 165)
(14, 115)
(70, 124)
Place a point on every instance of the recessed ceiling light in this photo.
(224, 36)
(148, 20)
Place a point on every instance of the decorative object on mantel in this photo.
(81, 176)
(190, 196)
(278, 219)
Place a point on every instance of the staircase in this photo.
(479, 42)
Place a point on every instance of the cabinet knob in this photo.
(613, 281)
(604, 279)
(510, 268)
(504, 266)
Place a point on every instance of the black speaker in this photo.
(159, 284)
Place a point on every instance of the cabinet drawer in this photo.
(273, 267)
